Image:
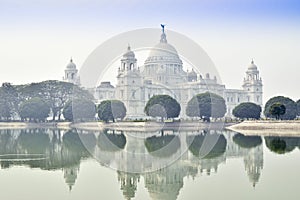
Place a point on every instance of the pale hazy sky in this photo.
(39, 37)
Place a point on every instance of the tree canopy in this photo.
(206, 105)
(277, 110)
(34, 109)
(79, 109)
(298, 107)
(247, 110)
(162, 106)
(55, 93)
(290, 105)
(9, 101)
(111, 110)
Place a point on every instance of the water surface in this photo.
(73, 164)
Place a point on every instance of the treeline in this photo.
(278, 107)
(208, 106)
(37, 101)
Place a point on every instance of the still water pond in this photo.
(73, 164)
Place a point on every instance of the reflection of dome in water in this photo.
(70, 175)
(165, 184)
(128, 183)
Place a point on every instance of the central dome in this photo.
(163, 53)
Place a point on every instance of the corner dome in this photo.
(252, 66)
(129, 53)
(192, 73)
(71, 65)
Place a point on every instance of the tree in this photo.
(9, 101)
(206, 105)
(55, 93)
(277, 109)
(79, 110)
(34, 109)
(111, 110)
(298, 107)
(162, 106)
(247, 111)
(290, 105)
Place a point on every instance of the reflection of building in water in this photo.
(65, 150)
(47, 149)
(129, 183)
(166, 183)
(70, 175)
(253, 157)
(254, 164)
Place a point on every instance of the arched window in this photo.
(131, 66)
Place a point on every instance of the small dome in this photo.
(71, 65)
(192, 73)
(105, 84)
(252, 66)
(129, 53)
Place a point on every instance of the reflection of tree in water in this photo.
(43, 148)
(247, 141)
(162, 146)
(34, 141)
(111, 141)
(46, 149)
(196, 142)
(281, 145)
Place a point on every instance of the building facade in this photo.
(163, 73)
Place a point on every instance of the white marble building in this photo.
(71, 73)
(163, 73)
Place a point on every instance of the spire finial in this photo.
(252, 62)
(71, 60)
(163, 27)
(128, 47)
(163, 38)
